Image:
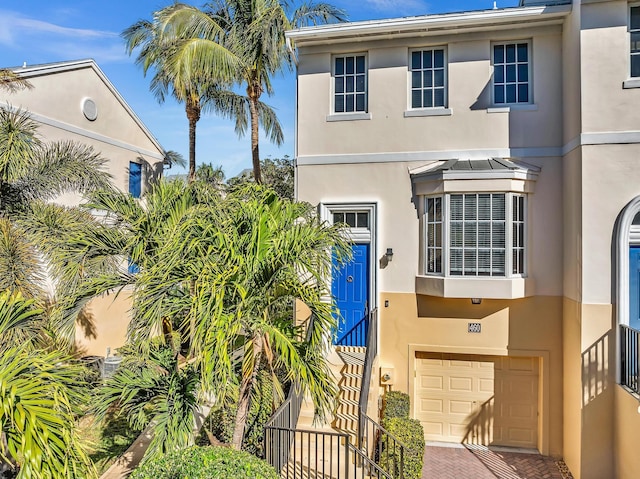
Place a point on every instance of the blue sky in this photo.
(41, 31)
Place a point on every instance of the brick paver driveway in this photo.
(478, 462)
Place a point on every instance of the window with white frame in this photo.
(350, 84)
(484, 234)
(634, 33)
(428, 78)
(511, 73)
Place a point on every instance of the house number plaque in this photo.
(475, 328)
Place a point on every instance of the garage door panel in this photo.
(478, 399)
(433, 383)
(461, 384)
(431, 406)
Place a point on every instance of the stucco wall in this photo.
(103, 324)
(627, 425)
(470, 127)
(527, 327)
(57, 99)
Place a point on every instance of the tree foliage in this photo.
(40, 397)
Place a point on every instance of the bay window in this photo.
(475, 234)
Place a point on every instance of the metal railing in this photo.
(629, 358)
(381, 446)
(316, 454)
(356, 336)
(369, 358)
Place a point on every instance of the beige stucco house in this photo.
(488, 164)
(75, 101)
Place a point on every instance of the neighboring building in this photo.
(488, 163)
(75, 101)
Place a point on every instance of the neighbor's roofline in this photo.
(424, 23)
(58, 67)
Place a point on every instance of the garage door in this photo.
(488, 400)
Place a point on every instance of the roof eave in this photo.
(440, 24)
(49, 68)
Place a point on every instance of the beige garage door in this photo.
(488, 400)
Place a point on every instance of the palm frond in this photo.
(12, 82)
(62, 167)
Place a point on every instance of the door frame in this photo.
(361, 236)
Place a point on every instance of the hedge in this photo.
(205, 463)
(396, 404)
(410, 433)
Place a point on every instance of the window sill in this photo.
(349, 116)
(631, 83)
(428, 112)
(486, 288)
(510, 108)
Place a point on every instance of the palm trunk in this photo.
(253, 92)
(246, 388)
(193, 115)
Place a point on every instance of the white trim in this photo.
(513, 107)
(404, 156)
(428, 112)
(623, 236)
(45, 120)
(46, 69)
(488, 19)
(631, 83)
(358, 235)
(349, 116)
(585, 139)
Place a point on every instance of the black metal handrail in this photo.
(382, 446)
(369, 359)
(630, 358)
(368, 468)
(356, 335)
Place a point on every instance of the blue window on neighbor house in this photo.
(350, 84)
(511, 73)
(634, 32)
(132, 268)
(428, 79)
(135, 179)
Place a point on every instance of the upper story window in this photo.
(484, 234)
(135, 179)
(634, 32)
(428, 78)
(511, 73)
(350, 84)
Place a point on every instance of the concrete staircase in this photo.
(323, 452)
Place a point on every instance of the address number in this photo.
(475, 328)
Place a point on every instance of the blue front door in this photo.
(634, 287)
(350, 289)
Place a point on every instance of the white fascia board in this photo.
(50, 68)
(477, 175)
(481, 18)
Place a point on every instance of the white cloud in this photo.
(26, 34)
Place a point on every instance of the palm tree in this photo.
(11, 82)
(255, 32)
(149, 385)
(223, 272)
(243, 265)
(157, 45)
(40, 398)
(31, 173)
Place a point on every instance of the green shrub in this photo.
(410, 433)
(205, 463)
(396, 404)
